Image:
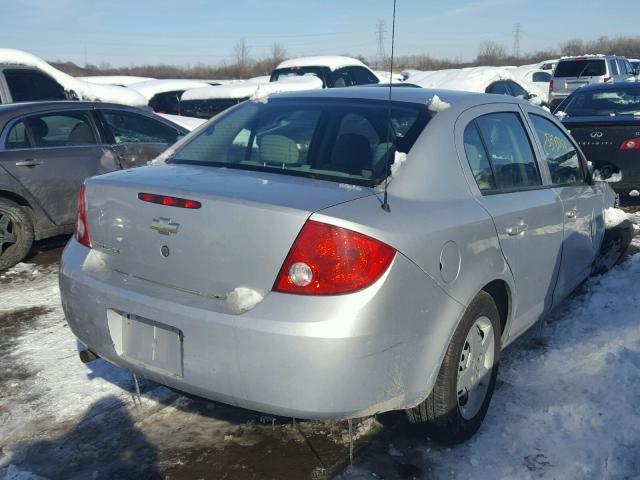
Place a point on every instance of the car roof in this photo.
(460, 100)
(332, 62)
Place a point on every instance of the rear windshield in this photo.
(625, 100)
(343, 140)
(285, 73)
(580, 68)
(207, 108)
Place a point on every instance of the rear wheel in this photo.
(615, 243)
(16, 234)
(454, 410)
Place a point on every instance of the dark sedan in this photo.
(605, 121)
(47, 149)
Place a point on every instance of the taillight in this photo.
(632, 144)
(169, 201)
(551, 86)
(607, 79)
(330, 260)
(82, 227)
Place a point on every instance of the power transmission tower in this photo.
(517, 31)
(380, 31)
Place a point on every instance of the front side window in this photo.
(613, 67)
(29, 85)
(341, 78)
(133, 128)
(332, 139)
(477, 158)
(510, 151)
(560, 154)
(52, 130)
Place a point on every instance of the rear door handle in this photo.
(29, 162)
(517, 229)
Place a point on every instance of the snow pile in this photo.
(398, 159)
(436, 105)
(474, 79)
(242, 299)
(190, 123)
(387, 77)
(120, 80)
(258, 80)
(150, 88)
(85, 90)
(614, 217)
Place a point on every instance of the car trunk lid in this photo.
(601, 134)
(239, 237)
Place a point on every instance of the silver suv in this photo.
(575, 72)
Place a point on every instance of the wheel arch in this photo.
(501, 293)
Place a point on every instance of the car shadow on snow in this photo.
(104, 444)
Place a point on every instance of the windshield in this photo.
(625, 100)
(338, 139)
(580, 68)
(207, 108)
(285, 73)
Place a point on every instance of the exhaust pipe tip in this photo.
(87, 356)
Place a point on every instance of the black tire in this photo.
(439, 414)
(615, 244)
(16, 234)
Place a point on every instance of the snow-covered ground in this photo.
(566, 406)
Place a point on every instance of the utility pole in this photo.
(380, 31)
(517, 31)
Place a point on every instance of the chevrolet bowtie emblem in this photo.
(164, 226)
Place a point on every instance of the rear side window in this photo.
(53, 130)
(132, 128)
(167, 102)
(30, 85)
(362, 76)
(510, 151)
(477, 158)
(541, 77)
(341, 140)
(613, 66)
(499, 88)
(560, 154)
(342, 78)
(580, 68)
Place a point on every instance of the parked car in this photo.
(164, 95)
(26, 78)
(512, 88)
(604, 119)
(47, 149)
(548, 65)
(575, 72)
(256, 266)
(635, 65)
(333, 71)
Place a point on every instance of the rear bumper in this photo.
(306, 357)
(626, 162)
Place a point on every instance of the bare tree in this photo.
(241, 53)
(491, 53)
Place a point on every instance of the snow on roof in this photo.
(150, 88)
(258, 80)
(85, 90)
(190, 123)
(236, 90)
(121, 80)
(295, 84)
(333, 62)
(474, 79)
(253, 90)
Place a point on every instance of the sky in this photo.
(181, 32)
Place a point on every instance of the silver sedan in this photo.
(334, 254)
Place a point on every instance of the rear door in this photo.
(582, 202)
(527, 214)
(137, 139)
(51, 154)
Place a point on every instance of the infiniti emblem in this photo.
(164, 226)
(596, 134)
